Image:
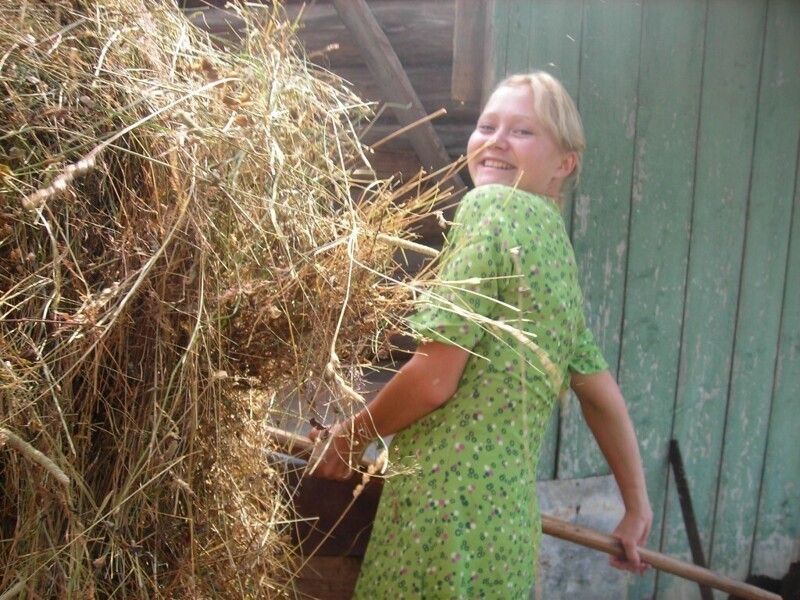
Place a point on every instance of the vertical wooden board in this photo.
(663, 184)
(518, 37)
(554, 28)
(554, 46)
(607, 95)
(469, 49)
(761, 296)
(734, 30)
(496, 39)
(777, 539)
(551, 32)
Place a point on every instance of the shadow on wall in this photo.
(788, 587)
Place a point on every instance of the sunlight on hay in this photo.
(177, 224)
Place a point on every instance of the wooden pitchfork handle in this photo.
(301, 447)
(605, 543)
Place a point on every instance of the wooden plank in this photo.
(388, 71)
(554, 46)
(523, 36)
(453, 136)
(607, 98)
(758, 325)
(468, 52)
(519, 34)
(395, 163)
(420, 32)
(544, 25)
(529, 36)
(496, 36)
(777, 537)
(543, 21)
(430, 82)
(328, 577)
(663, 185)
(725, 150)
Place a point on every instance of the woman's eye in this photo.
(523, 132)
(485, 127)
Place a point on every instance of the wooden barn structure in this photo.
(686, 225)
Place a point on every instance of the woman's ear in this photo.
(568, 162)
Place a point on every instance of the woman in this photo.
(503, 334)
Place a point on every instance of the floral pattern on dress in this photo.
(462, 520)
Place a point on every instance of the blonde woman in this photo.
(502, 336)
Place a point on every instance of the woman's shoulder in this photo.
(498, 199)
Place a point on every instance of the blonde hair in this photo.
(558, 114)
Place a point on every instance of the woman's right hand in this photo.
(632, 532)
(333, 452)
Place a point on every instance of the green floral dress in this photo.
(462, 520)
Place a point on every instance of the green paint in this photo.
(497, 44)
(553, 46)
(729, 97)
(690, 269)
(758, 324)
(542, 35)
(519, 36)
(554, 30)
(554, 40)
(663, 189)
(777, 540)
(601, 213)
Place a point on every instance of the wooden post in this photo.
(468, 52)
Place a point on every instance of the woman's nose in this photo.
(498, 139)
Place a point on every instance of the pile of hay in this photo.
(175, 221)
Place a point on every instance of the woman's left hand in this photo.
(632, 532)
(333, 452)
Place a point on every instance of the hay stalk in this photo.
(170, 217)
(25, 449)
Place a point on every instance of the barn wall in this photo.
(687, 229)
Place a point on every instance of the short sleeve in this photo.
(587, 357)
(473, 267)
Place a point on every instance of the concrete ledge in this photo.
(567, 570)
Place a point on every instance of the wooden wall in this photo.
(420, 32)
(687, 229)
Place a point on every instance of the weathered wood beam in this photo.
(421, 33)
(468, 52)
(398, 92)
(492, 49)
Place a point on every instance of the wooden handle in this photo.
(300, 446)
(290, 443)
(605, 543)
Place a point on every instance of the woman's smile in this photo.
(496, 164)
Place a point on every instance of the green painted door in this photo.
(687, 230)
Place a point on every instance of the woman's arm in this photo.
(423, 384)
(607, 416)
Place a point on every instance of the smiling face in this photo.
(510, 146)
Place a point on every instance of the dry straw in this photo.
(177, 223)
